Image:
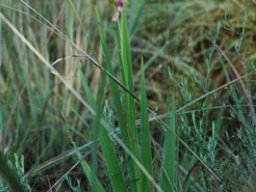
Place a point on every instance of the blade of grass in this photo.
(125, 56)
(136, 10)
(168, 173)
(146, 154)
(127, 76)
(90, 175)
(107, 146)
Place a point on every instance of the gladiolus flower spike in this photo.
(120, 6)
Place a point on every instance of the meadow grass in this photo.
(160, 100)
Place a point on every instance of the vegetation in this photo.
(160, 100)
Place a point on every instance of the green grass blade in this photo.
(70, 2)
(125, 53)
(108, 149)
(90, 175)
(125, 56)
(146, 154)
(169, 169)
(111, 161)
(136, 10)
(87, 92)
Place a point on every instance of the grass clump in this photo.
(159, 100)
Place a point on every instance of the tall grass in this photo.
(161, 100)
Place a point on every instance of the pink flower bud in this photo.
(119, 5)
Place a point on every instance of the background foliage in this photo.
(198, 59)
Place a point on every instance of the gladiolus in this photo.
(120, 6)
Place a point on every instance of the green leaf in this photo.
(146, 154)
(90, 175)
(127, 72)
(169, 168)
